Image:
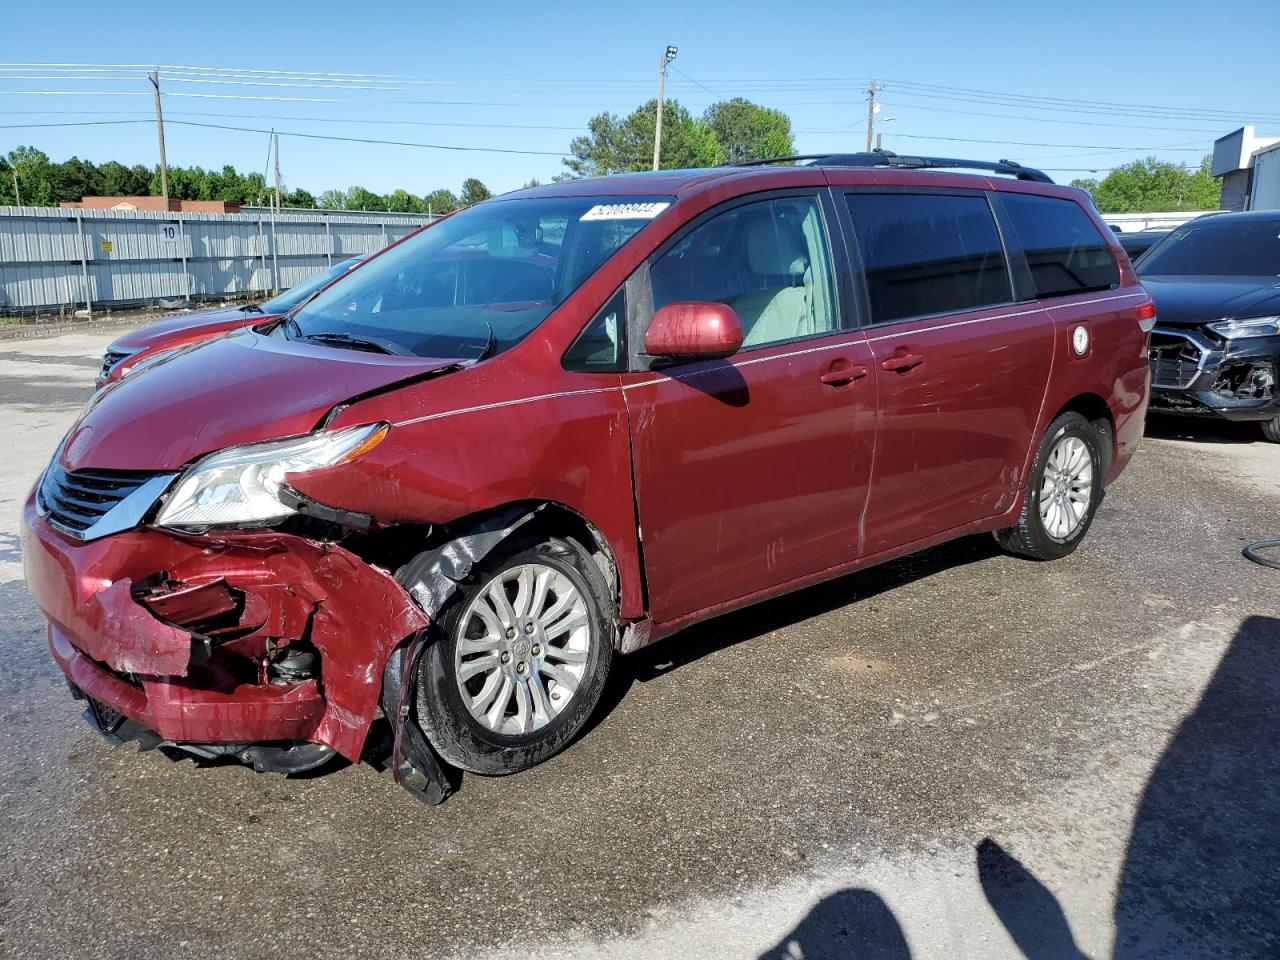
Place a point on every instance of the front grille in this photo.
(109, 360)
(1175, 359)
(77, 499)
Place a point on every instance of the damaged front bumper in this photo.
(221, 643)
(1197, 373)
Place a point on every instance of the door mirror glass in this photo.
(694, 330)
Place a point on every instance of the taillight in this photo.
(1147, 316)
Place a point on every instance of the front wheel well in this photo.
(1094, 409)
(393, 547)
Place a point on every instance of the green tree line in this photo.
(1148, 185)
(729, 131)
(43, 183)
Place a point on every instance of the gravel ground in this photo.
(959, 754)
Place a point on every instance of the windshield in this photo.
(477, 282)
(286, 301)
(1217, 247)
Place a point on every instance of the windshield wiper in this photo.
(489, 344)
(251, 308)
(337, 338)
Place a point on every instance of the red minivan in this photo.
(666, 396)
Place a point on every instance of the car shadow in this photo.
(1201, 873)
(1202, 430)
(719, 633)
(10, 548)
(849, 923)
(87, 363)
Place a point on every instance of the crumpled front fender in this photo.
(292, 589)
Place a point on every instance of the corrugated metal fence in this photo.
(53, 257)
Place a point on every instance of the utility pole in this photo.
(276, 138)
(164, 167)
(668, 55)
(17, 194)
(872, 89)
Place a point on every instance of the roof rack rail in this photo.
(884, 158)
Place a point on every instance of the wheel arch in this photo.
(1094, 409)
(442, 553)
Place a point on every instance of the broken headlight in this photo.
(242, 485)
(129, 365)
(1246, 327)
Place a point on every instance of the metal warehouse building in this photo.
(52, 258)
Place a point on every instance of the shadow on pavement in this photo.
(10, 548)
(709, 636)
(849, 923)
(1029, 911)
(1201, 875)
(88, 363)
(1202, 429)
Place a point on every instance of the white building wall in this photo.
(1265, 194)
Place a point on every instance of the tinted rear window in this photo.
(1064, 249)
(926, 254)
(1218, 246)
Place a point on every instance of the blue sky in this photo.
(498, 76)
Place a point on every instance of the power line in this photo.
(393, 143)
(1162, 114)
(367, 81)
(1182, 146)
(695, 82)
(69, 123)
(1025, 143)
(1073, 123)
(1059, 100)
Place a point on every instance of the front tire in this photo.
(521, 657)
(1271, 429)
(1063, 492)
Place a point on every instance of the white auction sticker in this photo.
(624, 211)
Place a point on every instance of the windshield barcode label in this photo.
(624, 211)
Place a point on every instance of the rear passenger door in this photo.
(962, 368)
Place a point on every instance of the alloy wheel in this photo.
(523, 648)
(1066, 488)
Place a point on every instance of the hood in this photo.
(186, 326)
(241, 388)
(1191, 301)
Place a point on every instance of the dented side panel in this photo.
(559, 439)
(955, 429)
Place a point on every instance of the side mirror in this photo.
(694, 330)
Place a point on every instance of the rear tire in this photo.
(530, 633)
(1062, 493)
(1271, 429)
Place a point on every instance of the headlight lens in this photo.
(112, 359)
(1247, 327)
(241, 485)
(129, 365)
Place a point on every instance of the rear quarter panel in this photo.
(1115, 368)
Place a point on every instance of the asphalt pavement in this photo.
(959, 754)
